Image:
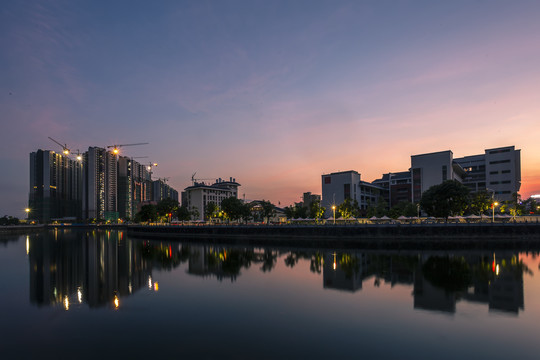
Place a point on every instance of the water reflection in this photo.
(95, 268)
(99, 268)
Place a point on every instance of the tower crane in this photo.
(149, 168)
(194, 180)
(65, 149)
(116, 148)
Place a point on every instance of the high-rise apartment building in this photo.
(55, 186)
(161, 190)
(100, 198)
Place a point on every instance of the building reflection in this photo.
(227, 263)
(96, 268)
(343, 271)
(439, 281)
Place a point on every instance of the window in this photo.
(493, 183)
(506, 182)
(444, 173)
(505, 171)
(493, 172)
(347, 191)
(499, 162)
(327, 180)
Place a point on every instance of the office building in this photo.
(497, 171)
(432, 169)
(397, 187)
(338, 186)
(55, 187)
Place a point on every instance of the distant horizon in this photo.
(274, 94)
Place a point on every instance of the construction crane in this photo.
(150, 166)
(65, 149)
(194, 180)
(116, 148)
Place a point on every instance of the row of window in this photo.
(502, 172)
(499, 162)
(500, 182)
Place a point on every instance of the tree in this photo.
(513, 207)
(166, 208)
(211, 210)
(8, 220)
(449, 198)
(348, 209)
(296, 211)
(148, 213)
(234, 209)
(379, 210)
(268, 210)
(316, 211)
(183, 214)
(480, 203)
(403, 208)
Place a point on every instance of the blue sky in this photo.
(273, 93)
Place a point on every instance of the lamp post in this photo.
(27, 210)
(334, 209)
(493, 205)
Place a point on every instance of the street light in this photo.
(334, 209)
(493, 205)
(27, 210)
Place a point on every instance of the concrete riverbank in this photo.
(396, 236)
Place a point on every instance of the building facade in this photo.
(432, 169)
(100, 197)
(338, 186)
(397, 187)
(55, 187)
(199, 195)
(161, 190)
(497, 171)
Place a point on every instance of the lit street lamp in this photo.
(27, 210)
(493, 205)
(334, 209)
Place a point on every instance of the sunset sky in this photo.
(273, 93)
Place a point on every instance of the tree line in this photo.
(450, 198)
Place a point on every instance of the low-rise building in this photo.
(200, 194)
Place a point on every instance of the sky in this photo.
(272, 93)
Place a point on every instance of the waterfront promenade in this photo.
(429, 236)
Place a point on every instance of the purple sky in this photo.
(273, 93)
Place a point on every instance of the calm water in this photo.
(77, 294)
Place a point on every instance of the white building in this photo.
(497, 170)
(338, 186)
(433, 169)
(200, 194)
